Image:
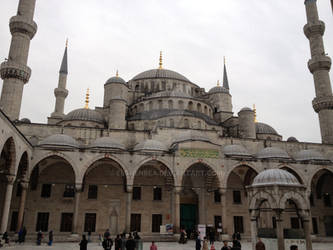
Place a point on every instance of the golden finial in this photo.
(218, 83)
(161, 61)
(66, 42)
(87, 99)
(117, 74)
(255, 113)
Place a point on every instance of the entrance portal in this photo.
(188, 216)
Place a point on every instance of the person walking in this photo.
(198, 243)
(5, 237)
(39, 238)
(260, 245)
(50, 238)
(205, 244)
(117, 243)
(153, 246)
(107, 234)
(130, 244)
(238, 236)
(236, 245)
(24, 234)
(83, 243)
(89, 236)
(225, 246)
(20, 236)
(107, 243)
(212, 236)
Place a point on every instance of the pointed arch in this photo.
(295, 173)
(8, 156)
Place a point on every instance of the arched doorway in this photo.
(321, 201)
(152, 200)
(103, 203)
(200, 201)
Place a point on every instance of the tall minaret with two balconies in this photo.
(14, 71)
(320, 65)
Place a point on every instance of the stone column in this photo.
(223, 193)
(128, 208)
(24, 186)
(78, 191)
(279, 229)
(202, 206)
(176, 217)
(307, 232)
(7, 202)
(254, 229)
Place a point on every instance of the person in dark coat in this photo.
(24, 233)
(198, 243)
(225, 246)
(83, 244)
(39, 238)
(117, 243)
(236, 245)
(260, 245)
(130, 243)
(107, 234)
(238, 236)
(107, 243)
(212, 236)
(20, 236)
(50, 238)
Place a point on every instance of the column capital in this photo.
(10, 179)
(24, 185)
(223, 190)
(78, 187)
(129, 188)
(177, 189)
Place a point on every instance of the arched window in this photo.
(205, 110)
(199, 107)
(170, 104)
(180, 104)
(186, 123)
(137, 87)
(190, 105)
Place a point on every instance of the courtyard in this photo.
(161, 246)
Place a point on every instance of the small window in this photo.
(157, 194)
(294, 222)
(66, 222)
(237, 197)
(274, 222)
(46, 190)
(314, 225)
(69, 191)
(92, 192)
(156, 223)
(13, 222)
(135, 222)
(90, 222)
(217, 196)
(218, 221)
(136, 193)
(327, 200)
(42, 222)
(238, 224)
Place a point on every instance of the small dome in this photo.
(272, 152)
(191, 135)
(160, 73)
(275, 177)
(292, 139)
(25, 120)
(59, 140)
(115, 79)
(84, 115)
(107, 143)
(245, 109)
(309, 154)
(218, 89)
(151, 145)
(263, 128)
(235, 150)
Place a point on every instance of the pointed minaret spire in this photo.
(161, 61)
(86, 106)
(61, 92)
(225, 76)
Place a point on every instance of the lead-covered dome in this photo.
(84, 115)
(309, 155)
(160, 73)
(263, 128)
(235, 150)
(218, 89)
(106, 143)
(151, 145)
(273, 152)
(275, 177)
(59, 140)
(115, 79)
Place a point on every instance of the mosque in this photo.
(161, 151)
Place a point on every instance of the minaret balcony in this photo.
(12, 69)
(319, 63)
(322, 103)
(314, 29)
(60, 92)
(20, 24)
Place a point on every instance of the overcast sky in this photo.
(263, 42)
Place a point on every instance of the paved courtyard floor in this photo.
(161, 246)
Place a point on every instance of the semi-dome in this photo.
(292, 139)
(309, 154)
(235, 150)
(151, 145)
(272, 152)
(59, 140)
(107, 143)
(84, 115)
(218, 89)
(160, 73)
(115, 79)
(275, 177)
(263, 128)
(191, 135)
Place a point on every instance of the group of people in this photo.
(40, 237)
(4, 240)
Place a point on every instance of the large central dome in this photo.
(160, 73)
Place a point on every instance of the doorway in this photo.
(188, 216)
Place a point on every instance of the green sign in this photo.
(199, 153)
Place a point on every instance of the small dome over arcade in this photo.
(84, 114)
(25, 120)
(273, 152)
(275, 177)
(263, 128)
(116, 79)
(218, 89)
(191, 135)
(235, 150)
(292, 139)
(310, 155)
(59, 140)
(106, 143)
(151, 145)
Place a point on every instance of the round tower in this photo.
(247, 127)
(222, 102)
(115, 101)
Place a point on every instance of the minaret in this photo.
(61, 92)
(15, 71)
(225, 76)
(320, 65)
